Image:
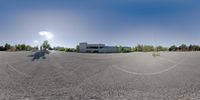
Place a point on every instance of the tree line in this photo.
(18, 47)
(121, 49)
(24, 47)
(64, 49)
(77, 49)
(149, 48)
(184, 47)
(141, 48)
(44, 46)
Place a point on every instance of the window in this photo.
(92, 47)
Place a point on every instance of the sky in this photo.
(112, 22)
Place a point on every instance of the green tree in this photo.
(139, 47)
(7, 46)
(148, 48)
(191, 48)
(194, 48)
(134, 49)
(2, 48)
(23, 47)
(173, 48)
(45, 45)
(120, 49)
(77, 48)
(28, 48)
(18, 47)
(161, 48)
(183, 47)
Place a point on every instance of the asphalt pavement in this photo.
(81, 76)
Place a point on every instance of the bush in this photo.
(148, 48)
(2, 48)
(7, 46)
(23, 47)
(12, 49)
(173, 48)
(124, 49)
(139, 48)
(160, 48)
(77, 48)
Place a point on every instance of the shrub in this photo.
(7, 46)
(77, 48)
(2, 48)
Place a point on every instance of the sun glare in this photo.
(47, 35)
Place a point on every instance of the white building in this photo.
(97, 48)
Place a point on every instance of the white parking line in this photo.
(183, 63)
(14, 69)
(153, 73)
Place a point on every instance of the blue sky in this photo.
(113, 22)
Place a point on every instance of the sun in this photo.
(46, 34)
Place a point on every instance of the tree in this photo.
(120, 49)
(2, 48)
(194, 48)
(173, 48)
(148, 48)
(191, 48)
(139, 47)
(45, 45)
(134, 49)
(18, 47)
(35, 48)
(161, 48)
(28, 48)
(77, 48)
(7, 46)
(183, 47)
(23, 47)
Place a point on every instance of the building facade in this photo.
(97, 48)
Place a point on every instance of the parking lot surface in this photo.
(117, 76)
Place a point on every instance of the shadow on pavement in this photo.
(39, 54)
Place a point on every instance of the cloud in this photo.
(36, 42)
(47, 35)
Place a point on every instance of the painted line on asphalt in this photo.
(153, 73)
(14, 69)
(183, 63)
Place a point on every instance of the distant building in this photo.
(97, 48)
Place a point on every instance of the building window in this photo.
(92, 47)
